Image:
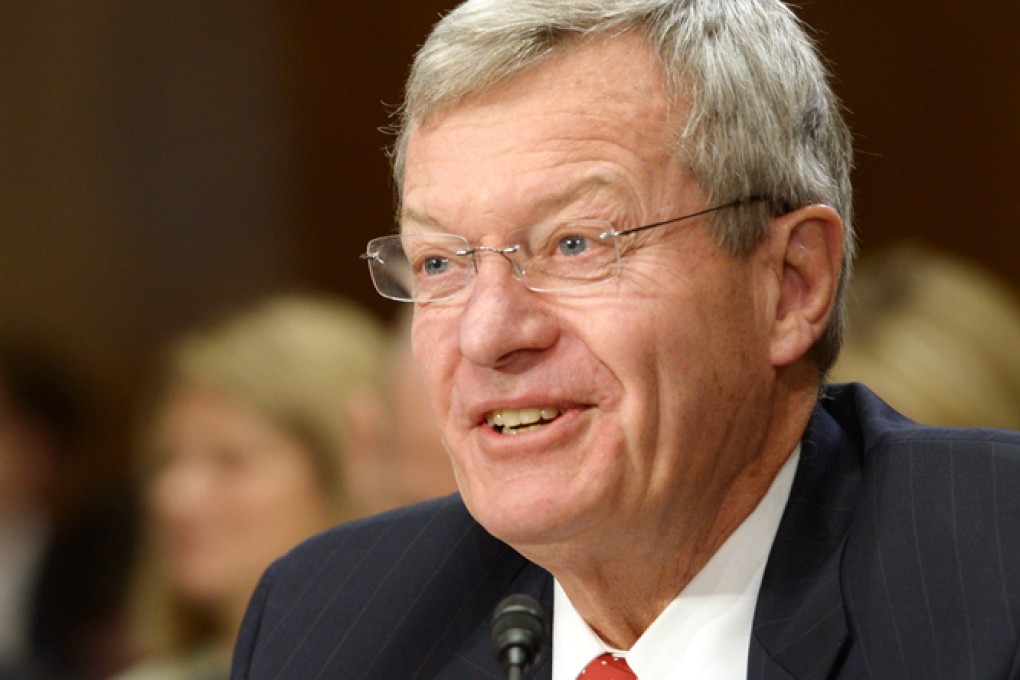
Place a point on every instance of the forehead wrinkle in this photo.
(583, 188)
(410, 214)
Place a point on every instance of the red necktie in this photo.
(607, 667)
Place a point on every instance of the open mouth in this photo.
(519, 421)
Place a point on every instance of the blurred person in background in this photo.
(937, 336)
(241, 460)
(63, 544)
(408, 461)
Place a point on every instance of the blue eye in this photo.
(435, 265)
(573, 245)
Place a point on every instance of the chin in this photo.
(198, 593)
(533, 511)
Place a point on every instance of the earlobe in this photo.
(807, 246)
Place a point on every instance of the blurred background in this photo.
(163, 162)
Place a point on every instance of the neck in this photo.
(620, 592)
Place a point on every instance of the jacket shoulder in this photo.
(430, 530)
(387, 596)
(930, 564)
(880, 431)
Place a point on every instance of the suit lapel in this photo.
(800, 627)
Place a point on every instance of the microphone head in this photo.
(519, 631)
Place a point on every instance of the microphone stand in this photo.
(519, 631)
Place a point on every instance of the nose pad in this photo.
(506, 253)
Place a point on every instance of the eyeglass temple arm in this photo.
(748, 200)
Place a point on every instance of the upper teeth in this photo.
(517, 417)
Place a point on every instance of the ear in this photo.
(806, 248)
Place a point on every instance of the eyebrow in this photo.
(591, 184)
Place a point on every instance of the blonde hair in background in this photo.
(936, 337)
(303, 362)
(300, 361)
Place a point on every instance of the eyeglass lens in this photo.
(432, 266)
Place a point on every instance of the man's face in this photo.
(653, 385)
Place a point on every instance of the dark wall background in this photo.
(933, 94)
(163, 162)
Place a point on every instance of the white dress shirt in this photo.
(706, 631)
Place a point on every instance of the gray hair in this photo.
(763, 119)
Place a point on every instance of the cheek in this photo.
(180, 493)
(679, 353)
(286, 499)
(261, 519)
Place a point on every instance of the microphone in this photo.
(519, 631)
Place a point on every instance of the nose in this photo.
(503, 320)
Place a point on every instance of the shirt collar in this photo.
(706, 630)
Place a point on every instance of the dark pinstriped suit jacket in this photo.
(898, 556)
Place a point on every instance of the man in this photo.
(625, 226)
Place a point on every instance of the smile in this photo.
(519, 421)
